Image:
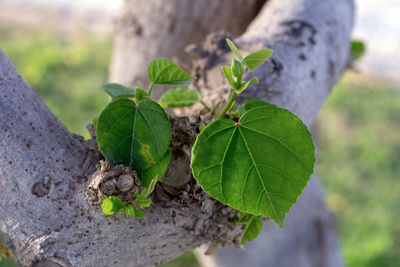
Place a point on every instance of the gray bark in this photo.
(44, 169)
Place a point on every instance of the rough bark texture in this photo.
(156, 28)
(44, 169)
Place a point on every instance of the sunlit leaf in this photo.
(156, 170)
(234, 49)
(165, 72)
(258, 165)
(257, 58)
(117, 91)
(179, 98)
(112, 205)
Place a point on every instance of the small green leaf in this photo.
(129, 210)
(156, 170)
(112, 205)
(228, 74)
(152, 186)
(246, 84)
(117, 91)
(141, 95)
(166, 73)
(253, 103)
(234, 49)
(202, 127)
(180, 97)
(142, 199)
(357, 48)
(135, 135)
(253, 229)
(237, 68)
(258, 165)
(94, 122)
(257, 58)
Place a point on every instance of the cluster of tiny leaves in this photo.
(254, 157)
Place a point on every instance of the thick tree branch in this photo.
(44, 169)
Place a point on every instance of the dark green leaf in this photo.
(237, 68)
(253, 103)
(246, 84)
(141, 95)
(129, 210)
(259, 165)
(112, 205)
(135, 135)
(158, 169)
(165, 72)
(257, 58)
(179, 98)
(228, 74)
(117, 91)
(253, 229)
(357, 49)
(234, 49)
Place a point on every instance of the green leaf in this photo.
(258, 165)
(117, 91)
(234, 49)
(257, 58)
(202, 127)
(165, 72)
(246, 84)
(237, 68)
(129, 210)
(253, 229)
(135, 135)
(241, 109)
(112, 205)
(141, 95)
(180, 97)
(143, 200)
(228, 74)
(158, 169)
(253, 103)
(357, 48)
(94, 122)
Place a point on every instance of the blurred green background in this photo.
(358, 133)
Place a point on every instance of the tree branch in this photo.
(44, 169)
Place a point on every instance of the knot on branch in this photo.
(110, 180)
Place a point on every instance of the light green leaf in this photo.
(258, 165)
(142, 199)
(234, 49)
(202, 127)
(253, 229)
(94, 122)
(165, 72)
(117, 91)
(253, 103)
(257, 58)
(129, 210)
(228, 74)
(246, 84)
(135, 135)
(112, 205)
(158, 169)
(180, 97)
(237, 68)
(357, 48)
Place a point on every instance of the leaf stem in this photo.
(228, 105)
(150, 89)
(205, 105)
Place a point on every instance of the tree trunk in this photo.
(45, 170)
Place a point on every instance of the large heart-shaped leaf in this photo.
(135, 135)
(179, 98)
(165, 72)
(259, 165)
